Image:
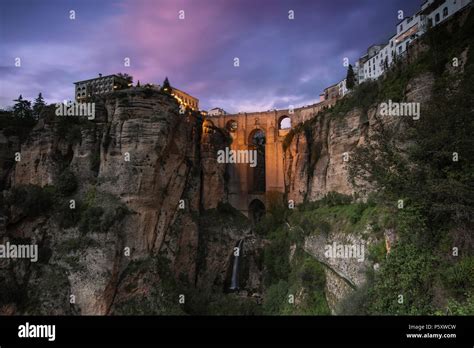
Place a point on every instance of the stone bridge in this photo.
(251, 189)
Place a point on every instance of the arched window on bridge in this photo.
(231, 126)
(256, 174)
(284, 122)
(208, 126)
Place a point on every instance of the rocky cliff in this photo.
(317, 163)
(319, 154)
(316, 159)
(130, 244)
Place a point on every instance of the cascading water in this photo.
(234, 283)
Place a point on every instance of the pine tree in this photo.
(138, 83)
(166, 86)
(38, 106)
(22, 108)
(127, 77)
(350, 79)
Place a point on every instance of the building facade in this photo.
(380, 57)
(216, 112)
(99, 86)
(185, 99)
(342, 87)
(437, 11)
(331, 92)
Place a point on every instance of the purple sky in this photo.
(282, 62)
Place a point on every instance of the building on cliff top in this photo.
(100, 85)
(185, 99)
(380, 57)
(216, 112)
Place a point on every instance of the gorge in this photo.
(154, 232)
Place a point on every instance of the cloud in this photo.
(282, 61)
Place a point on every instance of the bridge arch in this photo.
(231, 126)
(284, 122)
(256, 211)
(257, 174)
(208, 126)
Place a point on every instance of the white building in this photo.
(380, 57)
(437, 11)
(99, 86)
(216, 112)
(370, 64)
(342, 87)
(408, 30)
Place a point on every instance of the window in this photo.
(445, 12)
(437, 18)
(401, 27)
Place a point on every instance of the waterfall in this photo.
(234, 284)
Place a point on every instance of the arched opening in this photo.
(256, 211)
(256, 173)
(284, 122)
(208, 126)
(231, 126)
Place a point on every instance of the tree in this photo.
(38, 106)
(138, 83)
(127, 77)
(166, 86)
(22, 108)
(350, 79)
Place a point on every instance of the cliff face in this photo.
(139, 168)
(316, 163)
(316, 160)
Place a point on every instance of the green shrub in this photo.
(91, 220)
(312, 275)
(461, 308)
(276, 258)
(409, 272)
(66, 183)
(32, 200)
(460, 277)
(333, 199)
(276, 298)
(377, 252)
(67, 217)
(112, 217)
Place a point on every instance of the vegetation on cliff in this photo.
(425, 164)
(432, 173)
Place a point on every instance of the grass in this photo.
(352, 218)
